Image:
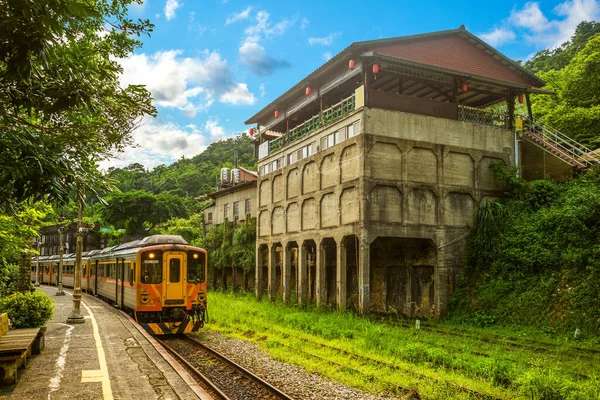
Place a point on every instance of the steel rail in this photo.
(266, 385)
(194, 370)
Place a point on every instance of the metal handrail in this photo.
(314, 123)
(570, 148)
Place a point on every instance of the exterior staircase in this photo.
(559, 144)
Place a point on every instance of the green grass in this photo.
(439, 361)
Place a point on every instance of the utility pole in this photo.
(37, 263)
(75, 317)
(61, 251)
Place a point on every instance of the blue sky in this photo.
(211, 64)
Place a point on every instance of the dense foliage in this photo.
(188, 176)
(62, 108)
(29, 310)
(572, 72)
(229, 246)
(139, 211)
(534, 258)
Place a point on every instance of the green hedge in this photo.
(30, 310)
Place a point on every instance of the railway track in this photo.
(223, 378)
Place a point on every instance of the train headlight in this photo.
(201, 296)
(145, 298)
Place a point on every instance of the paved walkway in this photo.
(104, 358)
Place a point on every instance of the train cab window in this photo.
(151, 269)
(84, 270)
(195, 267)
(174, 270)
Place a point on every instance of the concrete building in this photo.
(50, 239)
(371, 167)
(232, 202)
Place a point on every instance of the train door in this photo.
(122, 288)
(118, 268)
(96, 278)
(174, 263)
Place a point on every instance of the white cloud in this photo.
(138, 7)
(170, 7)
(262, 90)
(324, 41)
(242, 15)
(253, 55)
(238, 94)
(304, 23)
(530, 23)
(160, 142)
(327, 56)
(188, 84)
(264, 27)
(499, 36)
(530, 17)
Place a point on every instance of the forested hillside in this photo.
(572, 71)
(534, 256)
(188, 176)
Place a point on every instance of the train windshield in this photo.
(196, 266)
(151, 271)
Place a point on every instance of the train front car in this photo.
(171, 295)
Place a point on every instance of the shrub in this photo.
(30, 310)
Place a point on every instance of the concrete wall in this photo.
(400, 191)
(240, 196)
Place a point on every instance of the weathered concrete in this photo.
(405, 179)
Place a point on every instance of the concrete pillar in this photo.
(440, 276)
(272, 269)
(258, 284)
(286, 272)
(302, 274)
(320, 282)
(364, 277)
(341, 274)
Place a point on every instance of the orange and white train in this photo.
(160, 280)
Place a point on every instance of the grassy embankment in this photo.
(439, 361)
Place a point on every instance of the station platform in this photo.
(106, 357)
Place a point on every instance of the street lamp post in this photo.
(61, 251)
(75, 317)
(37, 264)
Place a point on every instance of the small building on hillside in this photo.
(50, 239)
(371, 168)
(235, 199)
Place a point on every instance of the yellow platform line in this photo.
(100, 375)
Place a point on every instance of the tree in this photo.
(61, 106)
(575, 110)
(139, 211)
(17, 232)
(557, 58)
(190, 229)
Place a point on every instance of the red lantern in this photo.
(465, 88)
(351, 64)
(276, 114)
(251, 131)
(308, 91)
(520, 99)
(375, 69)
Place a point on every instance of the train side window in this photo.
(175, 270)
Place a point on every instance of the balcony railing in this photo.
(484, 117)
(330, 115)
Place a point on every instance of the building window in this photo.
(236, 209)
(328, 141)
(248, 207)
(209, 217)
(226, 211)
(353, 129)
